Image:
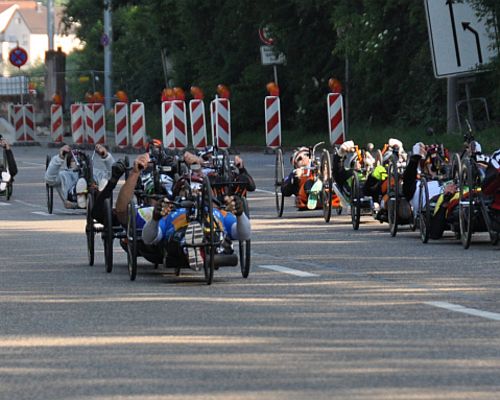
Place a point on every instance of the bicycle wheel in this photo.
(108, 236)
(131, 241)
(279, 177)
(49, 189)
(327, 180)
(466, 204)
(393, 192)
(355, 201)
(424, 211)
(205, 209)
(456, 168)
(245, 247)
(8, 191)
(90, 230)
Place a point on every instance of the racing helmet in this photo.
(206, 153)
(299, 151)
(350, 160)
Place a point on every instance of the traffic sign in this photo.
(265, 36)
(270, 57)
(460, 40)
(18, 57)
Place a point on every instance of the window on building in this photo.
(18, 20)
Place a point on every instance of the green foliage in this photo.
(379, 50)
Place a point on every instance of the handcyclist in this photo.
(9, 170)
(491, 187)
(63, 170)
(235, 223)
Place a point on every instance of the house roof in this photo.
(35, 16)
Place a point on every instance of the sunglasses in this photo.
(299, 159)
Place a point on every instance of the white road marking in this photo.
(45, 214)
(4, 204)
(32, 163)
(264, 191)
(464, 310)
(287, 270)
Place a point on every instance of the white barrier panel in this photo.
(212, 121)
(99, 123)
(24, 125)
(272, 112)
(137, 124)
(121, 124)
(78, 123)
(174, 125)
(198, 123)
(222, 122)
(56, 123)
(336, 128)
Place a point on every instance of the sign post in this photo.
(268, 55)
(18, 57)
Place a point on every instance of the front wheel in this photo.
(107, 236)
(355, 201)
(466, 204)
(327, 181)
(245, 247)
(131, 242)
(393, 192)
(208, 222)
(424, 212)
(279, 177)
(90, 230)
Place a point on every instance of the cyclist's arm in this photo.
(151, 233)
(410, 177)
(290, 185)
(52, 172)
(125, 195)
(11, 162)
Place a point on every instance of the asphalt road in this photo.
(326, 313)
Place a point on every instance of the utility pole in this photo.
(50, 23)
(107, 42)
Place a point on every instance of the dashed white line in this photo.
(45, 214)
(464, 310)
(4, 204)
(286, 270)
(264, 191)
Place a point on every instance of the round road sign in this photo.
(18, 57)
(265, 36)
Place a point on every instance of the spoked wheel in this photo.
(379, 158)
(355, 201)
(393, 191)
(49, 189)
(131, 242)
(108, 236)
(327, 180)
(456, 168)
(245, 247)
(205, 209)
(424, 211)
(466, 204)
(279, 177)
(90, 230)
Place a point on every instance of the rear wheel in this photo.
(279, 177)
(245, 247)
(466, 204)
(107, 236)
(90, 230)
(207, 220)
(355, 201)
(424, 212)
(49, 189)
(326, 179)
(131, 241)
(393, 192)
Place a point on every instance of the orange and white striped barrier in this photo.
(212, 121)
(56, 123)
(198, 123)
(95, 123)
(78, 123)
(336, 127)
(174, 125)
(137, 124)
(121, 124)
(24, 123)
(221, 121)
(272, 112)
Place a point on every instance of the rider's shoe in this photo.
(3, 181)
(312, 200)
(195, 258)
(194, 234)
(102, 184)
(81, 193)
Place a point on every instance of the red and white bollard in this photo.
(121, 124)
(78, 123)
(336, 127)
(137, 124)
(24, 122)
(174, 125)
(221, 121)
(198, 123)
(95, 121)
(56, 123)
(272, 112)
